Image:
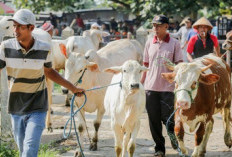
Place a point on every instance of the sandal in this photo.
(159, 154)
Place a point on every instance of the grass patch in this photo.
(48, 150)
(6, 150)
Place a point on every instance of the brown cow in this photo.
(227, 45)
(202, 89)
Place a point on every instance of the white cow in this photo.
(89, 40)
(126, 103)
(6, 28)
(113, 54)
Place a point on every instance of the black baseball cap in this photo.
(160, 19)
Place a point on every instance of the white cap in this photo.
(24, 17)
(95, 25)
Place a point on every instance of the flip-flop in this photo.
(159, 154)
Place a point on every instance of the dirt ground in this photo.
(144, 143)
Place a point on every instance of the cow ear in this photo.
(92, 67)
(169, 76)
(209, 79)
(114, 70)
(63, 50)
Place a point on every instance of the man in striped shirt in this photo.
(28, 62)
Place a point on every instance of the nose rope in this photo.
(79, 81)
(188, 91)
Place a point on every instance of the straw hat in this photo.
(202, 21)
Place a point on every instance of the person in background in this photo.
(28, 62)
(203, 43)
(191, 33)
(80, 24)
(53, 19)
(113, 23)
(172, 27)
(99, 21)
(115, 35)
(105, 39)
(159, 93)
(182, 34)
(215, 29)
(48, 27)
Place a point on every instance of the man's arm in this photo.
(144, 74)
(189, 57)
(55, 76)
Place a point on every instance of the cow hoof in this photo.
(67, 104)
(52, 112)
(93, 146)
(228, 141)
(201, 155)
(77, 154)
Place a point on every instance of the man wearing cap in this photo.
(48, 27)
(183, 34)
(203, 43)
(28, 62)
(159, 93)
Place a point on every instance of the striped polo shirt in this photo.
(25, 70)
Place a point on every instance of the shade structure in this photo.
(4, 9)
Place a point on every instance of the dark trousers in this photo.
(160, 106)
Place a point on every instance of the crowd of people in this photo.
(118, 30)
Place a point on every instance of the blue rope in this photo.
(72, 114)
(72, 121)
(173, 137)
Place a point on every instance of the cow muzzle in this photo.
(226, 45)
(183, 105)
(134, 86)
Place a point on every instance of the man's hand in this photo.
(78, 91)
(55, 76)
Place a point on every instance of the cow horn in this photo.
(206, 68)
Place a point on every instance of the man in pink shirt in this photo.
(159, 92)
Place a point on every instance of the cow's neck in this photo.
(95, 40)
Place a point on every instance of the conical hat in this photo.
(202, 21)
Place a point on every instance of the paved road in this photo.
(215, 148)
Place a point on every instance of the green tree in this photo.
(55, 5)
(146, 9)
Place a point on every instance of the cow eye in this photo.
(124, 70)
(7, 27)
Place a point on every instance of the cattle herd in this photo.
(120, 61)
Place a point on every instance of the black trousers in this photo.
(160, 106)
